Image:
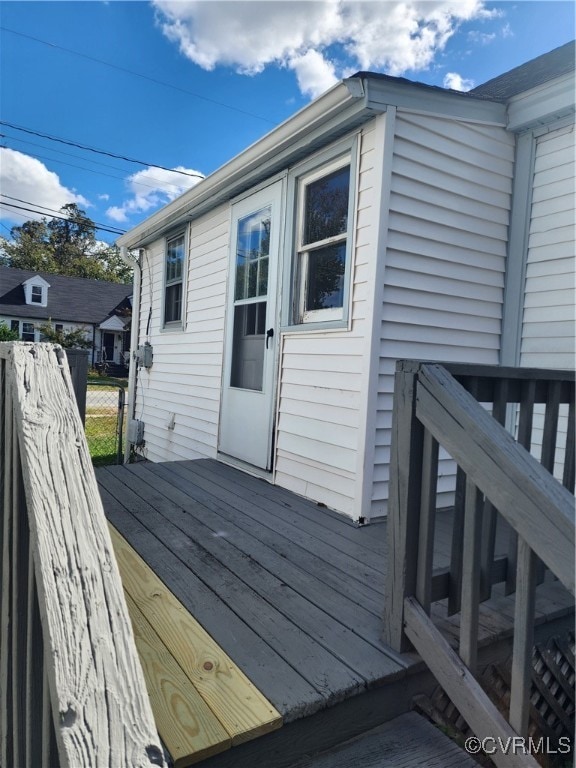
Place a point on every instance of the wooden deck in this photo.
(291, 591)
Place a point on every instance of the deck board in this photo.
(292, 592)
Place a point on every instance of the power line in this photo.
(97, 151)
(138, 74)
(52, 210)
(81, 167)
(99, 227)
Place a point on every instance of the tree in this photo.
(7, 334)
(75, 339)
(64, 246)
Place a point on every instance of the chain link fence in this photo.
(105, 423)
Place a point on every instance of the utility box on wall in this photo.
(136, 432)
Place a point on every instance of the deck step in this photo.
(202, 702)
(408, 741)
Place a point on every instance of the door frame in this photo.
(272, 192)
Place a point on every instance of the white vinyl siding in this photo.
(445, 259)
(548, 321)
(321, 378)
(185, 377)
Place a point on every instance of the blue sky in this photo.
(188, 85)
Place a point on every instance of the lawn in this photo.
(101, 437)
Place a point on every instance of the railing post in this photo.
(404, 503)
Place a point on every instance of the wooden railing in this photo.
(436, 408)
(72, 692)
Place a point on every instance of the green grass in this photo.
(101, 438)
(110, 381)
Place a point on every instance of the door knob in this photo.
(269, 335)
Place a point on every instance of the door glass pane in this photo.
(248, 346)
(252, 249)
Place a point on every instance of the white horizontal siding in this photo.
(549, 303)
(183, 383)
(320, 380)
(445, 260)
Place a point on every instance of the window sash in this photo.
(307, 253)
(173, 280)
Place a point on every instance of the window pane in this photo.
(325, 287)
(326, 206)
(37, 294)
(252, 247)
(174, 259)
(27, 331)
(173, 304)
(15, 325)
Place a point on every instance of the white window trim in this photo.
(339, 155)
(174, 325)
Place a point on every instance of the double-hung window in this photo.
(323, 243)
(28, 332)
(36, 295)
(174, 281)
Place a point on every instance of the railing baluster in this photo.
(404, 506)
(489, 519)
(471, 576)
(523, 639)
(551, 426)
(427, 521)
(19, 608)
(6, 688)
(457, 553)
(568, 475)
(34, 674)
(525, 422)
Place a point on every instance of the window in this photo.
(59, 328)
(15, 326)
(28, 332)
(36, 294)
(322, 247)
(173, 289)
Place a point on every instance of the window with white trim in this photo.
(36, 294)
(174, 281)
(322, 249)
(28, 333)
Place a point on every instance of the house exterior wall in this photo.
(548, 320)
(445, 259)
(321, 382)
(185, 378)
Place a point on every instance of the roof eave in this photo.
(336, 110)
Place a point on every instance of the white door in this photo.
(247, 407)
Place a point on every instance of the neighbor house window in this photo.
(322, 247)
(173, 290)
(28, 332)
(15, 326)
(36, 295)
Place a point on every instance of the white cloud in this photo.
(314, 74)
(457, 83)
(151, 188)
(249, 35)
(104, 197)
(26, 178)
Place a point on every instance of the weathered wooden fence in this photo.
(434, 409)
(72, 692)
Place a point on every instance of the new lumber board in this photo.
(235, 702)
(186, 725)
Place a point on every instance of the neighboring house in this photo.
(103, 310)
(387, 219)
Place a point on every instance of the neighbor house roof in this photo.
(71, 299)
(533, 73)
